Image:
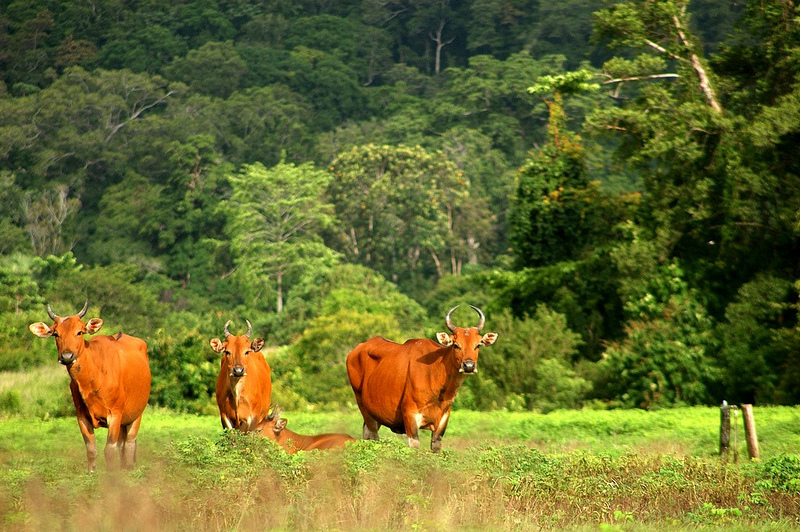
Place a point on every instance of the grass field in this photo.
(626, 470)
(577, 470)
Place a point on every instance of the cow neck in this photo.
(236, 385)
(84, 373)
(453, 379)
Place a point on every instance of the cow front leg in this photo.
(436, 435)
(87, 431)
(112, 442)
(412, 423)
(127, 451)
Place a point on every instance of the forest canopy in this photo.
(615, 184)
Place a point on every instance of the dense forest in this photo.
(615, 183)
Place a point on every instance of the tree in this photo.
(275, 218)
(666, 357)
(398, 208)
(214, 69)
(558, 214)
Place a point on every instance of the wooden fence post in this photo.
(724, 429)
(750, 431)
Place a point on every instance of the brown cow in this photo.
(244, 384)
(109, 381)
(275, 429)
(412, 386)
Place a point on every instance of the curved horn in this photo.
(50, 313)
(275, 414)
(227, 332)
(483, 318)
(84, 309)
(447, 319)
(249, 329)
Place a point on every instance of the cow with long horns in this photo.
(411, 386)
(109, 381)
(244, 384)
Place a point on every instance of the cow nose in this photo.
(468, 366)
(238, 371)
(66, 358)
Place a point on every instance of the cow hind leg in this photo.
(127, 451)
(370, 428)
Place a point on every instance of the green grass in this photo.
(581, 470)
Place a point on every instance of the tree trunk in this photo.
(279, 299)
(440, 44)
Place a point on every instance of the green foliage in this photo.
(214, 69)
(666, 356)
(781, 472)
(184, 370)
(533, 358)
(339, 309)
(276, 216)
(399, 209)
(757, 354)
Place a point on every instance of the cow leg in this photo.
(436, 435)
(370, 428)
(112, 442)
(226, 422)
(127, 452)
(412, 423)
(87, 431)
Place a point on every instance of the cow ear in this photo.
(257, 344)
(94, 325)
(444, 339)
(217, 345)
(279, 426)
(40, 329)
(488, 338)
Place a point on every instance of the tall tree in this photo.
(275, 219)
(399, 210)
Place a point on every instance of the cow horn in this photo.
(483, 318)
(227, 332)
(84, 309)
(50, 313)
(275, 414)
(249, 329)
(447, 319)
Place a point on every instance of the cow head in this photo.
(68, 333)
(236, 350)
(466, 342)
(274, 425)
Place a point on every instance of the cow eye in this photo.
(227, 352)
(457, 346)
(79, 333)
(54, 335)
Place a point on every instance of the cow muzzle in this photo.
(468, 366)
(238, 371)
(66, 358)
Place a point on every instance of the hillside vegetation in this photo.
(614, 183)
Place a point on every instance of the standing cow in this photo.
(244, 384)
(275, 429)
(412, 386)
(109, 381)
